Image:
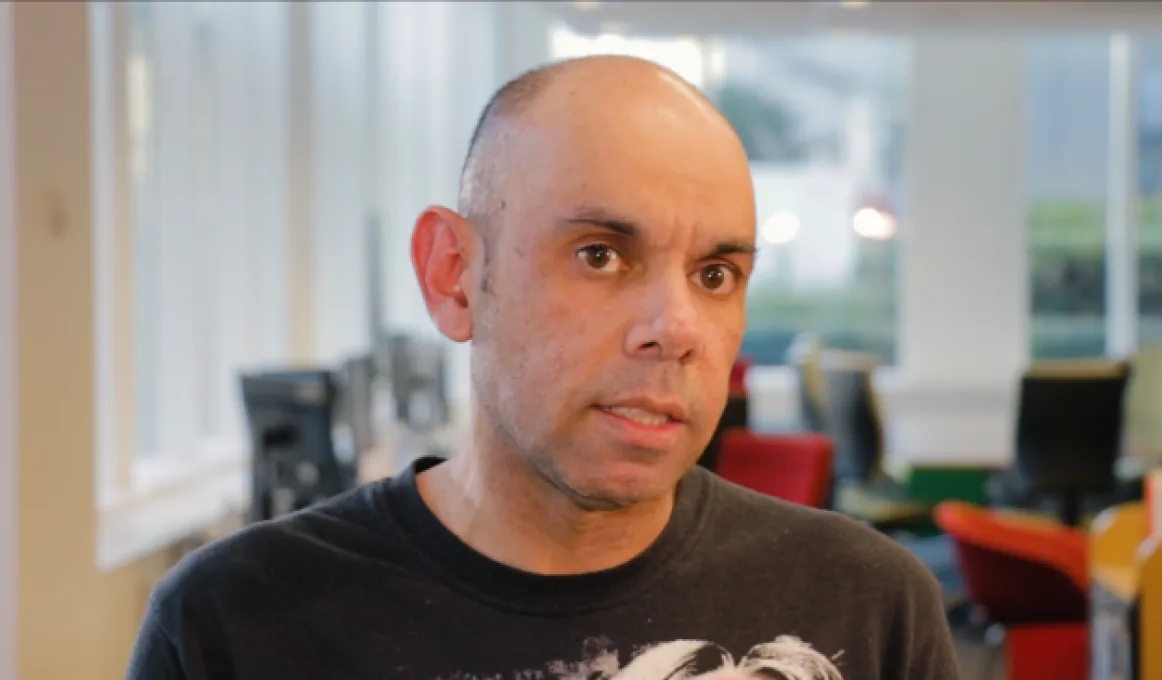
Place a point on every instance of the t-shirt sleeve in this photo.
(155, 656)
(922, 646)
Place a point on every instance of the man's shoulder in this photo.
(816, 562)
(826, 542)
(265, 555)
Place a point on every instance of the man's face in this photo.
(614, 309)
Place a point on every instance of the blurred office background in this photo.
(191, 193)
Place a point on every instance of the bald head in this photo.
(585, 85)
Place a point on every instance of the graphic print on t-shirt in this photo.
(786, 658)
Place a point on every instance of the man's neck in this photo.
(509, 513)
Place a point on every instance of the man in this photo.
(598, 266)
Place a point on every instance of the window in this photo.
(206, 157)
(1068, 141)
(251, 137)
(821, 120)
(1149, 111)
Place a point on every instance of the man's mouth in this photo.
(638, 415)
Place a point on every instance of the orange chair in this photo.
(794, 467)
(1031, 576)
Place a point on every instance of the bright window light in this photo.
(682, 55)
(874, 224)
(780, 227)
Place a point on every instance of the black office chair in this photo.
(1068, 436)
(735, 415)
(295, 459)
(804, 356)
(862, 489)
(852, 421)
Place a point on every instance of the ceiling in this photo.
(998, 17)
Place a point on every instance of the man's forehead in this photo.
(662, 171)
(658, 206)
(659, 195)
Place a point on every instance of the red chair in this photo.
(794, 467)
(738, 374)
(1031, 576)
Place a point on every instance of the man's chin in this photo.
(619, 489)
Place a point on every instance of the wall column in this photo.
(9, 502)
(1122, 202)
(60, 596)
(964, 264)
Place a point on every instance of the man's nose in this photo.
(667, 324)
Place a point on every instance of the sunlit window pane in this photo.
(1068, 141)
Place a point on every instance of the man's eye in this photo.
(717, 278)
(601, 258)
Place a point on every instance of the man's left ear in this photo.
(441, 251)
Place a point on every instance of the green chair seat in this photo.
(882, 508)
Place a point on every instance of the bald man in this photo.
(597, 264)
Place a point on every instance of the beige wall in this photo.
(72, 620)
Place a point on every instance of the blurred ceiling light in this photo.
(780, 227)
(874, 224)
(852, 4)
(586, 5)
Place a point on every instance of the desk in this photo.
(1126, 616)
(1121, 581)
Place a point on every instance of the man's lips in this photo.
(647, 410)
(637, 415)
(645, 428)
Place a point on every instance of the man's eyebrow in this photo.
(599, 217)
(733, 248)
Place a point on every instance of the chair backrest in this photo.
(738, 373)
(1143, 426)
(852, 414)
(794, 467)
(1069, 424)
(804, 356)
(736, 415)
(1020, 569)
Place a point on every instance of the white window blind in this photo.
(207, 133)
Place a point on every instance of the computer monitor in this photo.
(299, 457)
(418, 376)
(357, 400)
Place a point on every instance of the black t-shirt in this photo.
(371, 585)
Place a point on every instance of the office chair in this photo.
(854, 421)
(1143, 427)
(793, 467)
(1142, 434)
(1068, 435)
(418, 381)
(355, 383)
(735, 415)
(1031, 577)
(804, 356)
(295, 459)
